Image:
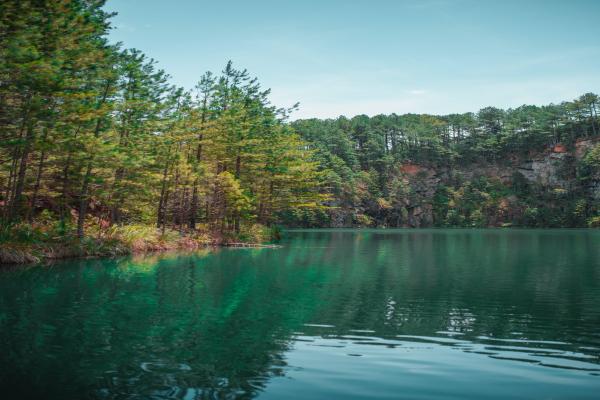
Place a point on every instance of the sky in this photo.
(350, 57)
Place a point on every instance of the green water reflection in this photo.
(331, 314)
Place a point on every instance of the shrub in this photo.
(594, 222)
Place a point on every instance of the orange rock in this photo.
(411, 169)
(559, 148)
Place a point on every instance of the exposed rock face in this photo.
(423, 183)
(555, 169)
(340, 218)
(420, 216)
(546, 170)
(501, 172)
(552, 168)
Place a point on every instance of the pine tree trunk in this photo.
(65, 183)
(160, 218)
(115, 213)
(83, 195)
(83, 200)
(36, 188)
(182, 202)
(194, 206)
(175, 211)
(10, 184)
(195, 200)
(17, 202)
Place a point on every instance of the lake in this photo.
(332, 314)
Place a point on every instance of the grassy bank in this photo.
(26, 243)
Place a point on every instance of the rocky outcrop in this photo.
(423, 183)
(551, 168)
(554, 171)
(547, 170)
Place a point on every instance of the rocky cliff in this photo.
(553, 170)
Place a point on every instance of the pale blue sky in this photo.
(348, 57)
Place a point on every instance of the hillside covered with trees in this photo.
(529, 166)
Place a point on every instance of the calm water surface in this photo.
(395, 314)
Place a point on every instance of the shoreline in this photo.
(11, 255)
(20, 253)
(35, 244)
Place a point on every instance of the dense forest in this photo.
(528, 166)
(93, 138)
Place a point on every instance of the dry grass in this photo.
(13, 254)
(31, 243)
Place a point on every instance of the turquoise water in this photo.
(332, 314)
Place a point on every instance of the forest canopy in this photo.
(526, 166)
(92, 133)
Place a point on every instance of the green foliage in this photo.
(405, 170)
(590, 164)
(96, 135)
(594, 222)
(256, 233)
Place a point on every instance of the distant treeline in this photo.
(364, 159)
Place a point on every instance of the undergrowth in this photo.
(47, 238)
